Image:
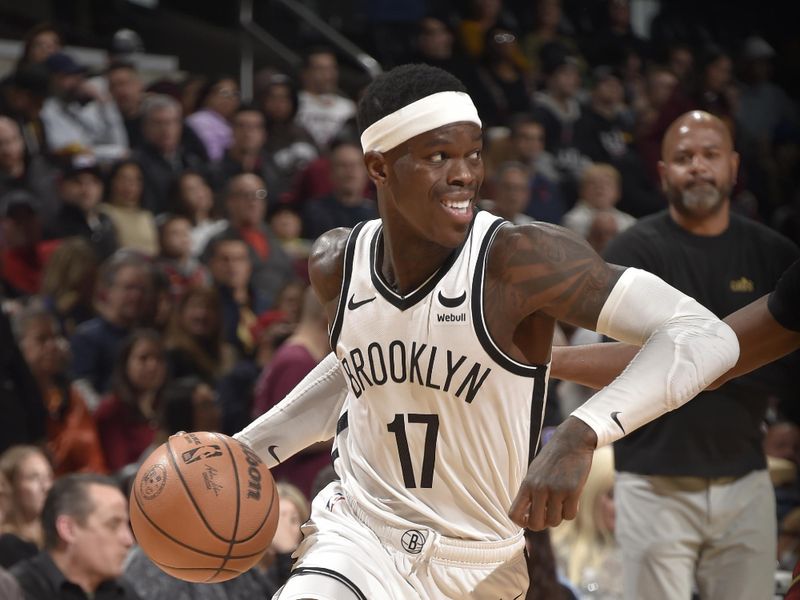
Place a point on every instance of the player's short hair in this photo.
(69, 496)
(401, 86)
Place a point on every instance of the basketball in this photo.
(204, 507)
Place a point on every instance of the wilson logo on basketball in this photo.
(253, 474)
(201, 453)
(153, 482)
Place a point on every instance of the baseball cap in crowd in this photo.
(14, 202)
(125, 42)
(80, 163)
(62, 63)
(756, 48)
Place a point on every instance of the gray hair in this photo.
(157, 102)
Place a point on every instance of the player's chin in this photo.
(453, 225)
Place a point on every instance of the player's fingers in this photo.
(554, 514)
(519, 508)
(570, 509)
(536, 516)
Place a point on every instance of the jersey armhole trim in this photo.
(478, 321)
(349, 257)
(300, 571)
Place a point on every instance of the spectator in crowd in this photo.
(586, 549)
(126, 418)
(603, 130)
(246, 153)
(288, 143)
(23, 253)
(558, 109)
(346, 205)
(28, 471)
(481, 17)
(68, 281)
(527, 145)
(511, 193)
(127, 90)
(135, 225)
(194, 339)
(680, 62)
(5, 498)
(549, 27)
(287, 225)
(175, 258)
(435, 45)
(614, 37)
(217, 102)
(599, 193)
(276, 564)
(40, 42)
(86, 540)
(231, 268)
(124, 287)
(193, 198)
(187, 404)
(292, 361)
(72, 440)
(81, 189)
(78, 116)
(725, 261)
(162, 156)
(22, 97)
(30, 172)
(246, 203)
(24, 414)
(500, 88)
(322, 111)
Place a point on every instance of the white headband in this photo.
(436, 110)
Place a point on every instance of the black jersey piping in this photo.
(300, 571)
(349, 254)
(478, 322)
(538, 403)
(404, 302)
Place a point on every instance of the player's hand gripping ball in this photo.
(204, 507)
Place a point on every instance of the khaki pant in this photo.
(675, 532)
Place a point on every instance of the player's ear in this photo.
(376, 167)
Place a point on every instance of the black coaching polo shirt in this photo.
(41, 579)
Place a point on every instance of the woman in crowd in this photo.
(136, 227)
(585, 547)
(30, 476)
(126, 418)
(194, 337)
(68, 284)
(217, 102)
(72, 439)
(193, 198)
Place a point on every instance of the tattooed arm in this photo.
(544, 270)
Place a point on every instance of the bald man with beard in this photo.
(694, 502)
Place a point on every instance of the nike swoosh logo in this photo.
(452, 302)
(616, 420)
(352, 305)
(271, 450)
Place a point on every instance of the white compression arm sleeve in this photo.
(308, 414)
(685, 348)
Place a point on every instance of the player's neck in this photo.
(406, 262)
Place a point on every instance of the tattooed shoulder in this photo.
(547, 268)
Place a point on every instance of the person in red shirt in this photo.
(24, 253)
(126, 418)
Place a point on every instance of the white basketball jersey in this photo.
(439, 425)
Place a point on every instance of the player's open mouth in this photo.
(460, 207)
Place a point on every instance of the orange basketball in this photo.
(204, 507)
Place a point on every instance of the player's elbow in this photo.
(728, 346)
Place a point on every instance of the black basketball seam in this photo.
(191, 497)
(177, 541)
(155, 562)
(238, 507)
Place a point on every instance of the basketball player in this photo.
(441, 322)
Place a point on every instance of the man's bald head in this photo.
(690, 121)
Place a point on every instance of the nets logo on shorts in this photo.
(413, 541)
